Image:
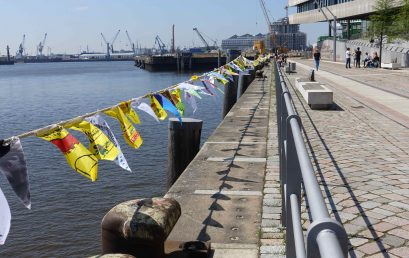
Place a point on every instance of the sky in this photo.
(72, 25)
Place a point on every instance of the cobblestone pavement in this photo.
(361, 158)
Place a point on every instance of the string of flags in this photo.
(103, 145)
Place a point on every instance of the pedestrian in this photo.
(366, 60)
(358, 54)
(348, 58)
(317, 58)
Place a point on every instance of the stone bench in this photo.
(392, 66)
(315, 94)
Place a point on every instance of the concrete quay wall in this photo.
(221, 191)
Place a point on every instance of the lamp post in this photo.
(333, 26)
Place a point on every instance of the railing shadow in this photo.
(216, 206)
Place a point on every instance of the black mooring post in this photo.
(230, 95)
(183, 145)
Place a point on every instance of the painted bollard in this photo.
(139, 227)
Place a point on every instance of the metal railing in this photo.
(326, 237)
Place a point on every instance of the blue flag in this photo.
(168, 106)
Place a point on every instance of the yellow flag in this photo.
(229, 70)
(194, 78)
(78, 156)
(177, 100)
(129, 132)
(157, 108)
(130, 112)
(240, 64)
(100, 145)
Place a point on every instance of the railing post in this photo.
(292, 183)
(283, 155)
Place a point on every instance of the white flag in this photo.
(102, 125)
(188, 86)
(13, 166)
(5, 218)
(145, 108)
(191, 100)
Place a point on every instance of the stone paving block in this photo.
(372, 248)
(400, 233)
(393, 241)
(401, 251)
(264, 249)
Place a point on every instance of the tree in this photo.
(382, 21)
(402, 20)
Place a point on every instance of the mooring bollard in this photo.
(230, 95)
(245, 80)
(139, 227)
(183, 145)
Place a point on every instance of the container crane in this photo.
(110, 46)
(21, 47)
(208, 47)
(160, 44)
(130, 42)
(41, 45)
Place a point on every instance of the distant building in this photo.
(351, 14)
(243, 42)
(286, 35)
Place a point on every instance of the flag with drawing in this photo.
(78, 156)
(100, 145)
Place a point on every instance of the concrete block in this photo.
(315, 94)
(392, 66)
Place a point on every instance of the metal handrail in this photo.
(326, 237)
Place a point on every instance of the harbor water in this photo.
(67, 208)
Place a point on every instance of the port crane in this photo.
(204, 41)
(110, 46)
(41, 45)
(160, 44)
(130, 42)
(21, 47)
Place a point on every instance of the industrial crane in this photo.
(203, 40)
(160, 44)
(268, 21)
(266, 16)
(21, 47)
(130, 42)
(41, 45)
(110, 46)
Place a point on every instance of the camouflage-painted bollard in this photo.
(139, 227)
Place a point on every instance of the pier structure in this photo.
(232, 194)
(180, 61)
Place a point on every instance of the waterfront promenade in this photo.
(359, 149)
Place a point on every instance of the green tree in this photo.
(382, 21)
(402, 20)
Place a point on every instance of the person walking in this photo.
(358, 54)
(348, 58)
(317, 58)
